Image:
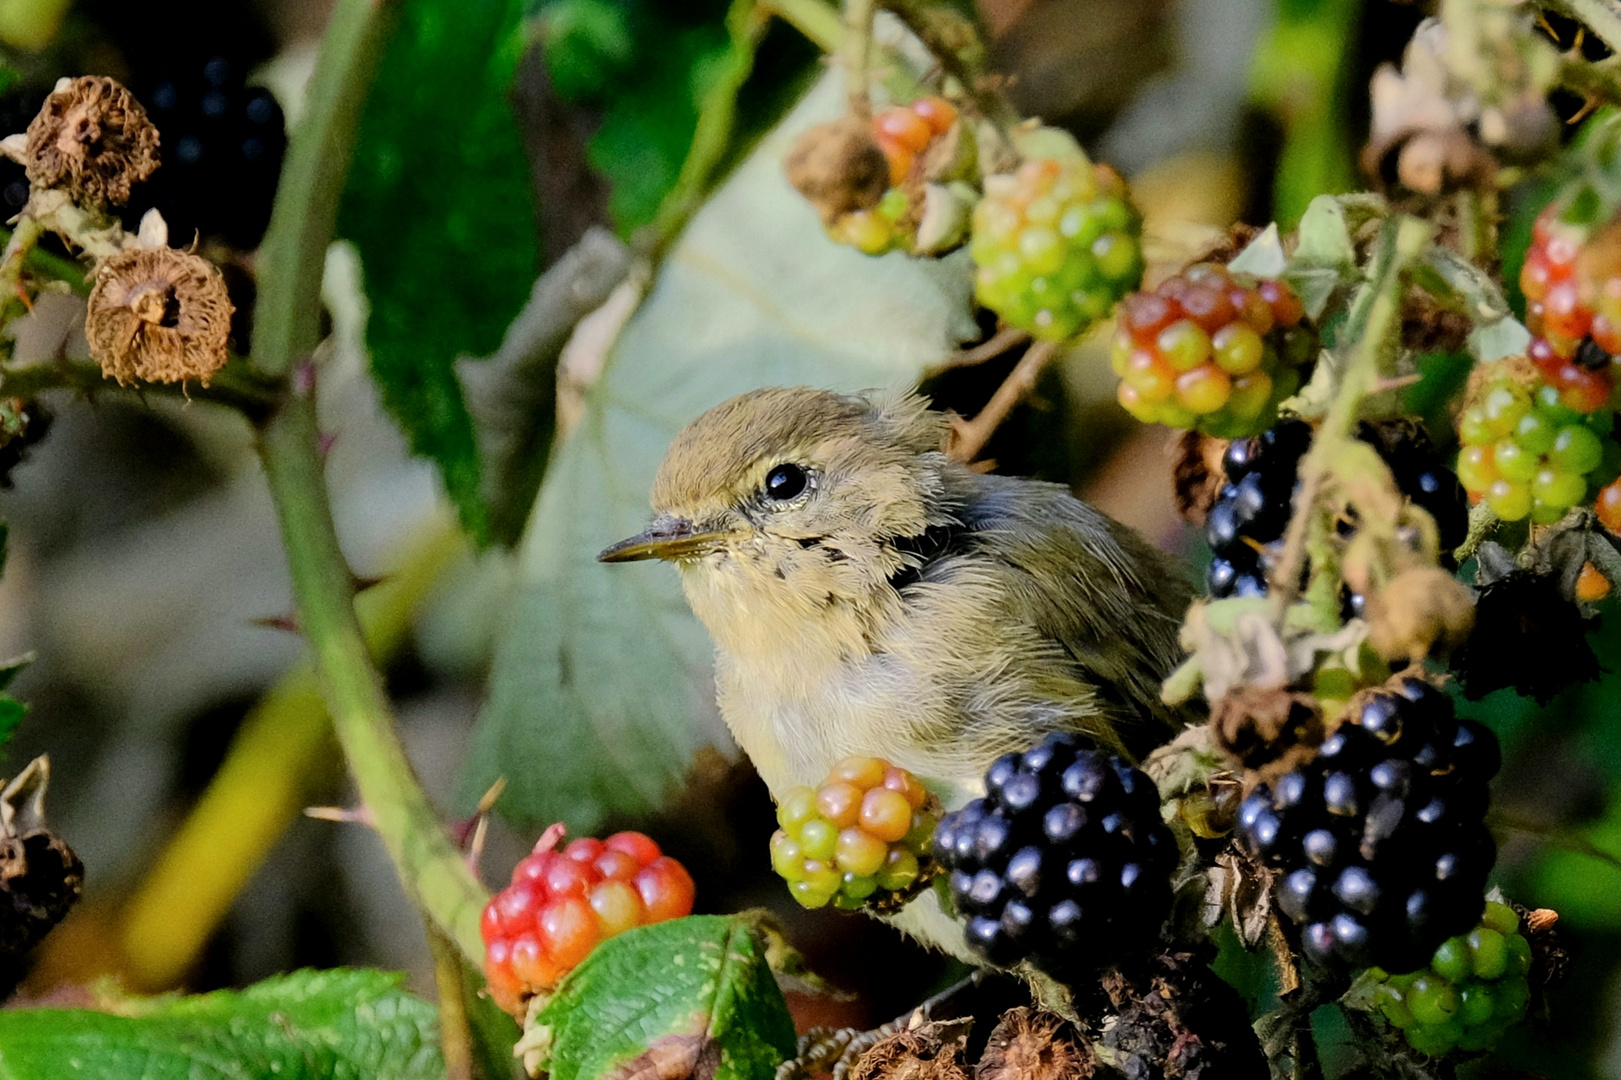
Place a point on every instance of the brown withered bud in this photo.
(838, 167)
(1267, 729)
(1423, 611)
(40, 876)
(93, 140)
(1196, 475)
(1177, 1018)
(1030, 1044)
(159, 315)
(930, 1051)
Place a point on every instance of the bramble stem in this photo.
(22, 241)
(287, 328)
(968, 437)
(1603, 17)
(819, 23)
(1374, 319)
(429, 866)
(287, 314)
(857, 48)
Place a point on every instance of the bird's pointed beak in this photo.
(666, 538)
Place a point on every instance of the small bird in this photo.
(868, 595)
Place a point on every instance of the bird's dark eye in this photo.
(784, 482)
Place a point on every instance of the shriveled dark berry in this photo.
(1380, 840)
(1066, 862)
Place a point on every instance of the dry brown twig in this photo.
(968, 437)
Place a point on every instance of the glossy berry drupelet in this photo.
(1055, 244)
(1473, 990)
(1380, 841)
(1065, 862)
(860, 839)
(1211, 350)
(561, 903)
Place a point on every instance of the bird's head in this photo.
(784, 497)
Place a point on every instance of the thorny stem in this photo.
(233, 386)
(52, 266)
(968, 437)
(1598, 80)
(286, 331)
(746, 23)
(1603, 17)
(998, 343)
(819, 23)
(1483, 521)
(22, 241)
(455, 1031)
(857, 48)
(429, 866)
(287, 314)
(992, 102)
(1374, 319)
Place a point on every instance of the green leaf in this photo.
(692, 990)
(310, 1025)
(11, 715)
(602, 692)
(440, 206)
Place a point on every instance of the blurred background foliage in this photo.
(144, 563)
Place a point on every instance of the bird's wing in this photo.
(1090, 585)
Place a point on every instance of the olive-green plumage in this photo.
(900, 605)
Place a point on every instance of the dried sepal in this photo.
(93, 140)
(930, 1051)
(159, 316)
(1032, 1044)
(838, 167)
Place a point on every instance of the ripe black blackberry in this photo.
(1380, 841)
(222, 140)
(1254, 506)
(17, 108)
(223, 143)
(1065, 862)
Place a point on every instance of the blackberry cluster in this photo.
(17, 109)
(223, 143)
(1065, 862)
(222, 140)
(1380, 841)
(858, 839)
(1055, 244)
(1211, 350)
(1474, 989)
(1252, 511)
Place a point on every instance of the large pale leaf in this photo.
(602, 692)
(311, 1025)
(692, 997)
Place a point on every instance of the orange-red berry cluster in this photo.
(904, 131)
(562, 903)
(1563, 309)
(1211, 350)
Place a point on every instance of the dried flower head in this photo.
(92, 139)
(159, 315)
